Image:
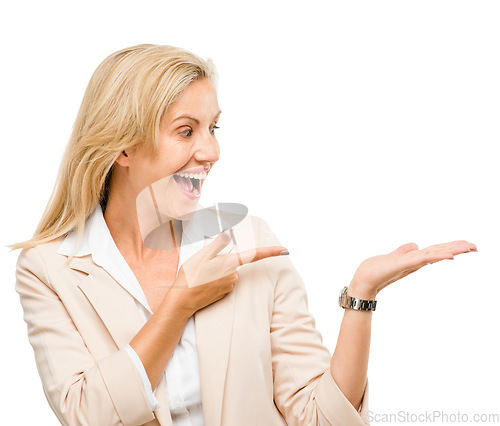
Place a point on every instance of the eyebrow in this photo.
(192, 118)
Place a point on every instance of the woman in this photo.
(138, 313)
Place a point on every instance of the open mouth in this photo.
(190, 183)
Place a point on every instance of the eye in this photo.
(213, 129)
(188, 131)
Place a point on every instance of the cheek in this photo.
(176, 156)
(169, 164)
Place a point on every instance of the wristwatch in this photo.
(349, 302)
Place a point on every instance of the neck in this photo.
(139, 231)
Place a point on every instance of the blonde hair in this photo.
(123, 105)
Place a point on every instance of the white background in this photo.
(351, 127)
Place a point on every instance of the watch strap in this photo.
(349, 302)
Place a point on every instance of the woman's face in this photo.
(188, 147)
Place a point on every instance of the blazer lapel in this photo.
(214, 325)
(114, 305)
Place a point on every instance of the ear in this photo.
(123, 160)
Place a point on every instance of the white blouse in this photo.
(182, 372)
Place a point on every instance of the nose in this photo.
(207, 149)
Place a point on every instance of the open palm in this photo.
(376, 273)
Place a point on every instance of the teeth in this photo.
(193, 175)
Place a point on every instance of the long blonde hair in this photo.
(123, 105)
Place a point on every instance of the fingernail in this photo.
(226, 233)
(284, 252)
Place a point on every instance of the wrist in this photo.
(361, 291)
(175, 302)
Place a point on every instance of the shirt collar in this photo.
(92, 227)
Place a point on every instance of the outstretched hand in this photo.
(376, 273)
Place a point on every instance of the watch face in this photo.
(343, 297)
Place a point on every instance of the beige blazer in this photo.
(262, 361)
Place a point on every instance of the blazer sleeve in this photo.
(81, 390)
(304, 389)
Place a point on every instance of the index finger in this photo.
(459, 246)
(253, 255)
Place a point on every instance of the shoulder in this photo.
(260, 234)
(265, 234)
(45, 251)
(40, 259)
(255, 231)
